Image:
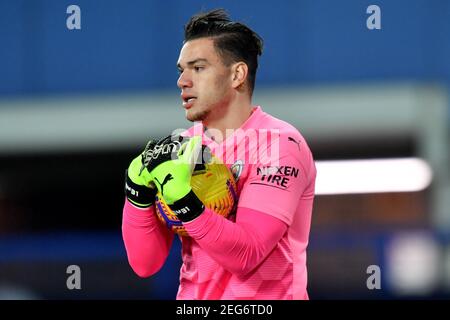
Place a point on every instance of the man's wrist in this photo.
(138, 195)
(188, 208)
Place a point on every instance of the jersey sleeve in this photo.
(147, 242)
(276, 187)
(241, 246)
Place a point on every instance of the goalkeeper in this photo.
(260, 251)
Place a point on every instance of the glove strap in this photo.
(138, 195)
(188, 208)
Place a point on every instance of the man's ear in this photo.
(239, 72)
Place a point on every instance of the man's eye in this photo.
(198, 68)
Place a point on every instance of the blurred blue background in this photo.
(77, 105)
(134, 46)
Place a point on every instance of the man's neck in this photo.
(232, 119)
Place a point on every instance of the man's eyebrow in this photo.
(192, 62)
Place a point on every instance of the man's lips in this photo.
(188, 101)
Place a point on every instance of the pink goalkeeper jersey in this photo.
(275, 174)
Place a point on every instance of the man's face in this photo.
(205, 82)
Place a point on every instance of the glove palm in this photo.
(172, 176)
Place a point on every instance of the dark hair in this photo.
(233, 41)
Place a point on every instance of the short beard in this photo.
(199, 116)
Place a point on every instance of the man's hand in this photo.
(171, 167)
(139, 188)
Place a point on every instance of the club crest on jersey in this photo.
(236, 169)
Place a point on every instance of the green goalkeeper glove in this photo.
(171, 167)
(139, 188)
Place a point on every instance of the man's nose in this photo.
(184, 81)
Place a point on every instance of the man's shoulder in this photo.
(285, 130)
(290, 142)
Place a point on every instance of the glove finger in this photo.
(150, 144)
(146, 154)
(165, 149)
(190, 152)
